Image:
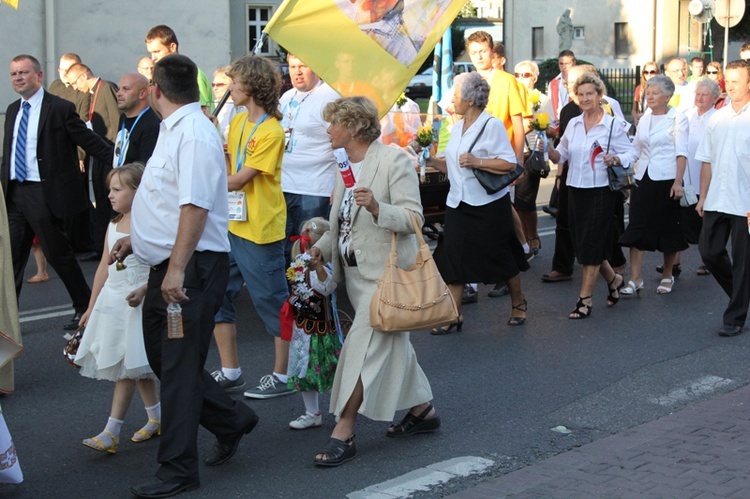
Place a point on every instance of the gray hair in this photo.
(662, 81)
(532, 65)
(473, 88)
(711, 85)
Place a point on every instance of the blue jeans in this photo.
(262, 267)
(299, 209)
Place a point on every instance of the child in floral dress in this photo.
(310, 318)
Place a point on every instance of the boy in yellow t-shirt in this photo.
(255, 146)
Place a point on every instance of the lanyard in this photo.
(241, 159)
(125, 138)
(292, 104)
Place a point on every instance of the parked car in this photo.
(463, 67)
(420, 87)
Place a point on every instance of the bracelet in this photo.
(480, 163)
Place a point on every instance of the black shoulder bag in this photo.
(621, 178)
(494, 182)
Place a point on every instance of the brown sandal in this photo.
(411, 424)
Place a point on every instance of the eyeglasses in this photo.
(523, 75)
(652, 72)
(712, 72)
(218, 85)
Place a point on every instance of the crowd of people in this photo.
(184, 195)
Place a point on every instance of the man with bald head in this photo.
(139, 124)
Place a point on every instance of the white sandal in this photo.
(632, 289)
(662, 289)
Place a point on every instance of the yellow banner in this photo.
(12, 3)
(363, 47)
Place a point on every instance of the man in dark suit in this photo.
(104, 117)
(41, 177)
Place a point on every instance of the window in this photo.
(578, 33)
(257, 18)
(622, 41)
(537, 43)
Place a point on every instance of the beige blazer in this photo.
(389, 174)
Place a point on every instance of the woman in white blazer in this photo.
(662, 144)
(377, 373)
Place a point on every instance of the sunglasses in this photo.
(712, 72)
(218, 85)
(652, 72)
(523, 75)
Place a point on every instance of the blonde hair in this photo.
(359, 115)
(314, 229)
(130, 175)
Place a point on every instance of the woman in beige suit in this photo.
(377, 373)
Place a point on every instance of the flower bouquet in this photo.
(540, 122)
(426, 138)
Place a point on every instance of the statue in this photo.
(565, 31)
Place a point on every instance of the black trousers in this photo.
(732, 275)
(564, 256)
(102, 212)
(189, 395)
(28, 214)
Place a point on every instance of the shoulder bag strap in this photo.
(611, 126)
(479, 135)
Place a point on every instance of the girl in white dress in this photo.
(112, 346)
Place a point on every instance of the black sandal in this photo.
(582, 310)
(614, 294)
(440, 331)
(411, 424)
(518, 321)
(337, 452)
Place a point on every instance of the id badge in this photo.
(288, 139)
(237, 206)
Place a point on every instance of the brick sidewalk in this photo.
(699, 452)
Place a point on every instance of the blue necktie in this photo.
(23, 128)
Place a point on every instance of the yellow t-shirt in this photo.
(266, 209)
(504, 100)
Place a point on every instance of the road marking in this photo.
(38, 314)
(424, 479)
(692, 390)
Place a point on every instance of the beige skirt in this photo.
(387, 363)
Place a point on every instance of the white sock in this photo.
(282, 377)
(230, 373)
(526, 247)
(113, 426)
(311, 402)
(154, 412)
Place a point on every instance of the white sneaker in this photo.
(307, 420)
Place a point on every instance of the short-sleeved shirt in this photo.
(206, 93)
(726, 145)
(308, 164)
(493, 143)
(504, 101)
(187, 167)
(266, 208)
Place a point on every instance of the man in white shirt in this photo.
(308, 169)
(725, 196)
(179, 228)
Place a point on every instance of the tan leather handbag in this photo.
(417, 298)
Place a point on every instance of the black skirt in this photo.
(480, 244)
(654, 218)
(691, 224)
(593, 223)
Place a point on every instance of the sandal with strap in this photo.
(337, 452)
(582, 310)
(143, 434)
(411, 424)
(631, 289)
(614, 295)
(665, 286)
(518, 321)
(441, 331)
(96, 443)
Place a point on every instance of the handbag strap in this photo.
(611, 126)
(479, 135)
(393, 256)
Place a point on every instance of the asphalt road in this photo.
(500, 391)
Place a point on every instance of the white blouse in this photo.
(585, 152)
(658, 141)
(698, 124)
(493, 144)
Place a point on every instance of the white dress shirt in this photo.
(32, 132)
(726, 145)
(698, 124)
(577, 148)
(187, 167)
(658, 142)
(493, 143)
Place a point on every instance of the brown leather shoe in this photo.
(556, 276)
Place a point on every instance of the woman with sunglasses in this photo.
(715, 74)
(650, 69)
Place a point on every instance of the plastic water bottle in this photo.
(174, 321)
(345, 167)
